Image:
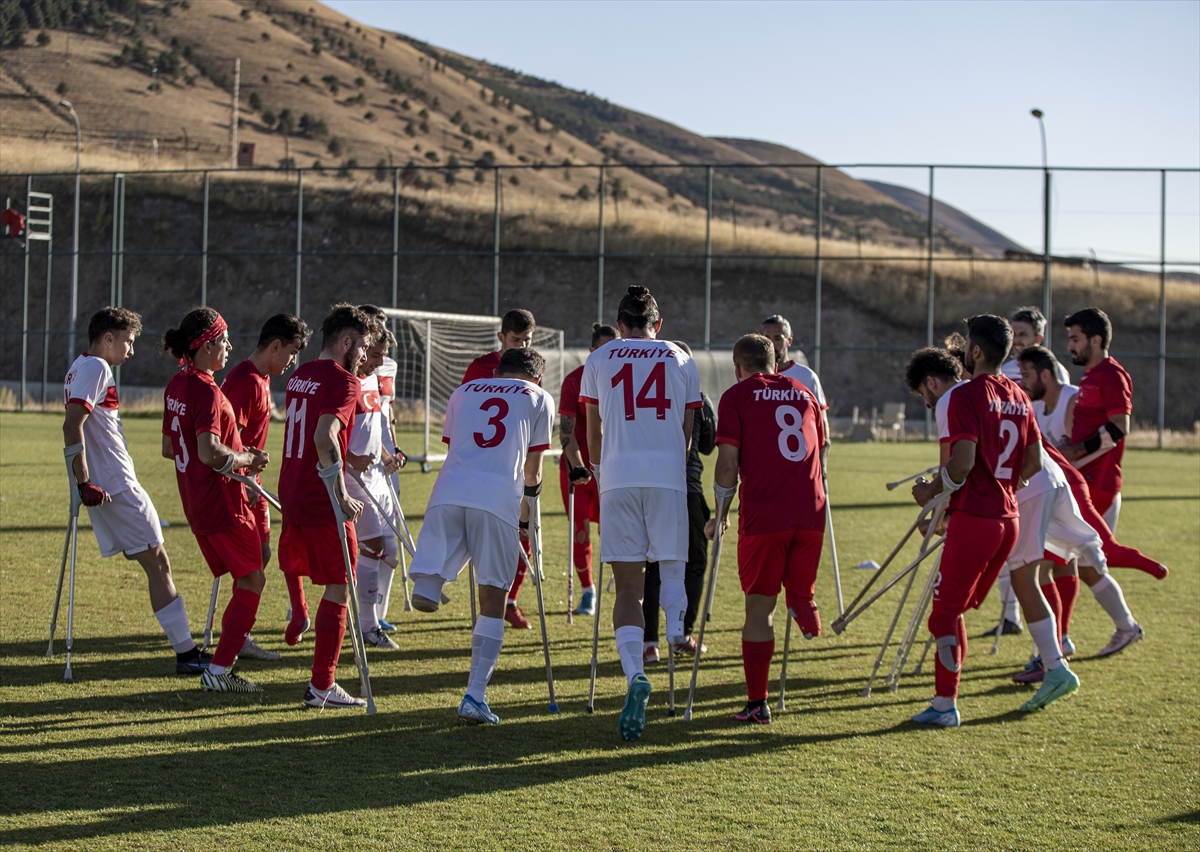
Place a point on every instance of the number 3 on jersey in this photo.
(496, 421)
(656, 383)
(181, 462)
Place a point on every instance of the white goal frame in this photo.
(548, 341)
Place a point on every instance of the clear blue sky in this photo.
(875, 82)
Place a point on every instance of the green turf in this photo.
(131, 757)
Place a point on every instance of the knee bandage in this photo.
(945, 651)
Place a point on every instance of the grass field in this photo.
(130, 756)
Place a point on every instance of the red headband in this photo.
(210, 334)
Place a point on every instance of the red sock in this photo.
(1050, 592)
(756, 661)
(583, 562)
(330, 629)
(1068, 593)
(521, 572)
(236, 624)
(1123, 556)
(295, 587)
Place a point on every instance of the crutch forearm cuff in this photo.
(227, 468)
(723, 493)
(329, 472)
(73, 450)
(532, 491)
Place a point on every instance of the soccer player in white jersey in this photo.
(1029, 329)
(370, 464)
(496, 431)
(778, 330)
(386, 373)
(123, 518)
(640, 395)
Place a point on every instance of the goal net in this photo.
(433, 351)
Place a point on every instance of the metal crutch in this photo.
(329, 475)
(212, 610)
(406, 541)
(714, 561)
(70, 546)
(837, 576)
(570, 549)
(787, 636)
(535, 570)
(591, 706)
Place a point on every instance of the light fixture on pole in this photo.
(75, 242)
(1046, 301)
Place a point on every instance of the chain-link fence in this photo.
(849, 253)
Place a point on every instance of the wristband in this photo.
(522, 525)
(89, 494)
(948, 483)
(1114, 430)
(1090, 445)
(533, 490)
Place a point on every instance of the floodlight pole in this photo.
(600, 252)
(75, 239)
(1046, 292)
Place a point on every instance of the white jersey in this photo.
(939, 414)
(90, 383)
(1054, 424)
(1011, 369)
(386, 373)
(491, 426)
(642, 387)
(1049, 477)
(366, 438)
(808, 378)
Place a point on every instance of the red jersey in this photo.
(775, 422)
(1105, 391)
(194, 405)
(249, 392)
(483, 367)
(317, 388)
(570, 406)
(997, 415)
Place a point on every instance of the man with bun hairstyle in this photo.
(321, 399)
(516, 332)
(575, 466)
(769, 431)
(123, 517)
(200, 434)
(496, 431)
(640, 394)
(248, 388)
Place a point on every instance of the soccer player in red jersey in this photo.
(1102, 409)
(516, 332)
(248, 388)
(769, 430)
(995, 446)
(123, 516)
(321, 398)
(200, 433)
(575, 465)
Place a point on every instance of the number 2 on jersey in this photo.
(496, 421)
(1008, 434)
(656, 383)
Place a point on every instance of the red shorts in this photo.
(587, 499)
(770, 561)
(976, 549)
(1051, 557)
(235, 551)
(316, 552)
(262, 520)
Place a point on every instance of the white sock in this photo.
(367, 585)
(216, 670)
(587, 589)
(629, 646)
(428, 586)
(1108, 595)
(173, 619)
(386, 573)
(942, 704)
(486, 641)
(673, 598)
(1045, 633)
(1008, 600)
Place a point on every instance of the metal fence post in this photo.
(46, 320)
(496, 250)
(204, 248)
(299, 233)
(708, 265)
(1047, 308)
(395, 237)
(600, 252)
(428, 388)
(929, 296)
(817, 275)
(117, 280)
(1162, 309)
(25, 301)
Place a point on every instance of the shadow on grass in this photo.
(1189, 818)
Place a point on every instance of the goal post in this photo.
(433, 351)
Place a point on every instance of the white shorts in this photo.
(129, 524)
(1069, 536)
(371, 523)
(452, 535)
(643, 525)
(1036, 512)
(1114, 513)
